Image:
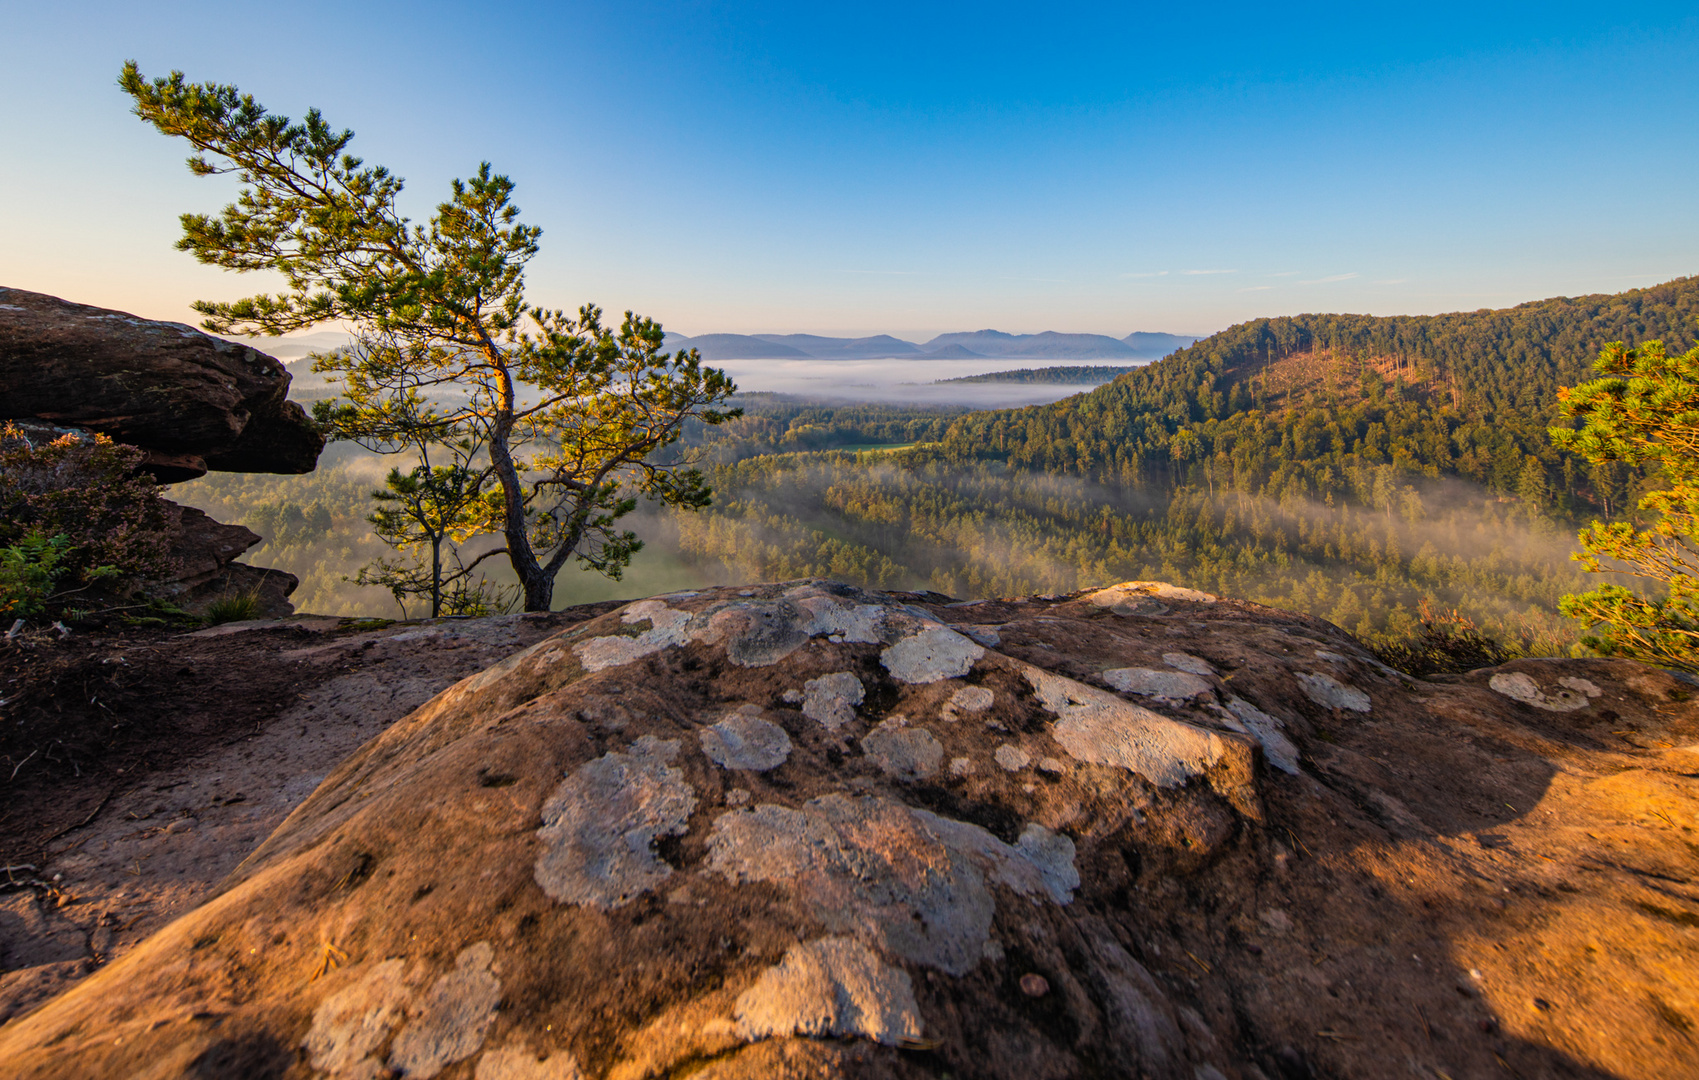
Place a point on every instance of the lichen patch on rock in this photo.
(1521, 687)
(1183, 661)
(908, 753)
(353, 1022)
(1174, 686)
(600, 825)
(1281, 752)
(932, 654)
(968, 700)
(452, 1018)
(666, 628)
(1330, 693)
(743, 740)
(831, 699)
(907, 880)
(518, 1063)
(1097, 727)
(836, 987)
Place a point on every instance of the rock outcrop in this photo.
(807, 830)
(192, 401)
(205, 551)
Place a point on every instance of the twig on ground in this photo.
(73, 828)
(24, 762)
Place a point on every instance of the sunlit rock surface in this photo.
(804, 830)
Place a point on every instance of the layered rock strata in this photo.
(193, 402)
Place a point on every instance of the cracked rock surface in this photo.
(806, 830)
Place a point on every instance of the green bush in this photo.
(28, 570)
(233, 609)
(74, 513)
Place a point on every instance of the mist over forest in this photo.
(1356, 468)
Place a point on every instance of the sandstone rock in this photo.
(203, 552)
(592, 859)
(193, 401)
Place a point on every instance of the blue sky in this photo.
(913, 169)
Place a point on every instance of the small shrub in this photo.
(1444, 643)
(28, 571)
(106, 521)
(233, 609)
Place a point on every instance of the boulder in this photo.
(192, 401)
(806, 830)
(204, 552)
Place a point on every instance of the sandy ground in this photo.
(156, 849)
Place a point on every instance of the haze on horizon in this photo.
(867, 169)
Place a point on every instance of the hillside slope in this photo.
(1354, 467)
(1275, 402)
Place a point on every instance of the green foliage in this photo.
(1443, 643)
(236, 608)
(566, 416)
(28, 571)
(1290, 403)
(428, 514)
(104, 522)
(1366, 485)
(1643, 413)
(983, 529)
(279, 508)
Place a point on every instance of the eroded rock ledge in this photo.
(807, 830)
(193, 402)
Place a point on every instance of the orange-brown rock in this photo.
(805, 830)
(192, 401)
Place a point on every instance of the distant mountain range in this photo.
(978, 344)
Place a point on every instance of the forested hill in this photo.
(1288, 403)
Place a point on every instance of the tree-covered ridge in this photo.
(1469, 394)
(1064, 375)
(779, 423)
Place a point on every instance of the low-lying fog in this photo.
(894, 382)
(902, 382)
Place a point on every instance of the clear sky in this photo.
(912, 168)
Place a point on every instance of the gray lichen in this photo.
(666, 627)
(451, 1021)
(932, 654)
(1097, 727)
(745, 741)
(1330, 693)
(907, 753)
(1280, 751)
(831, 699)
(518, 1063)
(600, 825)
(832, 987)
(353, 1022)
(1182, 661)
(1571, 695)
(907, 880)
(968, 699)
(1175, 686)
